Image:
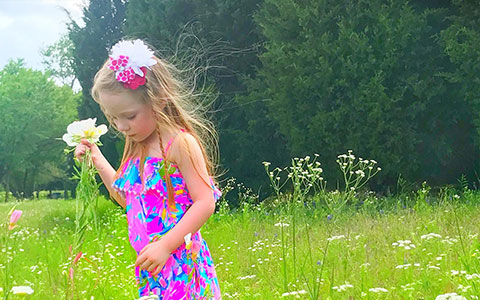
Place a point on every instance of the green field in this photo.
(418, 251)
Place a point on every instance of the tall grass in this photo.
(416, 245)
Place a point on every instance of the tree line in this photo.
(395, 81)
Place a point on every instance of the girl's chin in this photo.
(136, 138)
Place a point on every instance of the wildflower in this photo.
(77, 257)
(22, 290)
(336, 237)
(450, 296)
(342, 287)
(378, 290)
(360, 172)
(246, 277)
(14, 216)
(405, 266)
(70, 273)
(430, 236)
(84, 129)
(282, 224)
(472, 276)
(294, 293)
(455, 272)
(406, 244)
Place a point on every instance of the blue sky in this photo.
(26, 26)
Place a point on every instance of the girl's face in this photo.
(131, 116)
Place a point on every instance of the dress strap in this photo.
(171, 141)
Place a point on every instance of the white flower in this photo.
(84, 129)
(294, 293)
(342, 287)
(336, 237)
(246, 277)
(430, 236)
(139, 55)
(472, 276)
(450, 296)
(22, 290)
(378, 290)
(406, 244)
(280, 224)
(454, 272)
(405, 266)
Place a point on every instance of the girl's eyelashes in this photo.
(131, 117)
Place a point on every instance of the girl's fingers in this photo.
(86, 142)
(151, 268)
(145, 265)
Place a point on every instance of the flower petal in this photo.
(68, 138)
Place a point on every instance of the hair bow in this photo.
(130, 60)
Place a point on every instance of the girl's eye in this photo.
(131, 117)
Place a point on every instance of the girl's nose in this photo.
(122, 127)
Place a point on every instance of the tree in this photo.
(104, 21)
(58, 60)
(367, 76)
(221, 41)
(35, 113)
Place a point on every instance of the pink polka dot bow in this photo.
(130, 60)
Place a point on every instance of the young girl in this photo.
(163, 181)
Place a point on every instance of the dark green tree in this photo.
(366, 76)
(222, 41)
(104, 21)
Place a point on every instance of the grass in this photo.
(357, 254)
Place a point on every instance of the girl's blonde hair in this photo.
(182, 110)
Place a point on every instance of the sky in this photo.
(26, 26)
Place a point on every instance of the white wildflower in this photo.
(430, 236)
(450, 296)
(22, 290)
(378, 290)
(84, 129)
(295, 293)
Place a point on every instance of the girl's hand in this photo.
(94, 150)
(153, 257)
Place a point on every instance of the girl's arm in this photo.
(106, 172)
(190, 162)
(104, 168)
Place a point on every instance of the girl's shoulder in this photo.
(178, 145)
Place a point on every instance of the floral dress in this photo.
(189, 272)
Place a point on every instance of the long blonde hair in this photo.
(182, 109)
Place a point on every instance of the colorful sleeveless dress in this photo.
(189, 272)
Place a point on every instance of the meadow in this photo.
(392, 251)
(303, 242)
